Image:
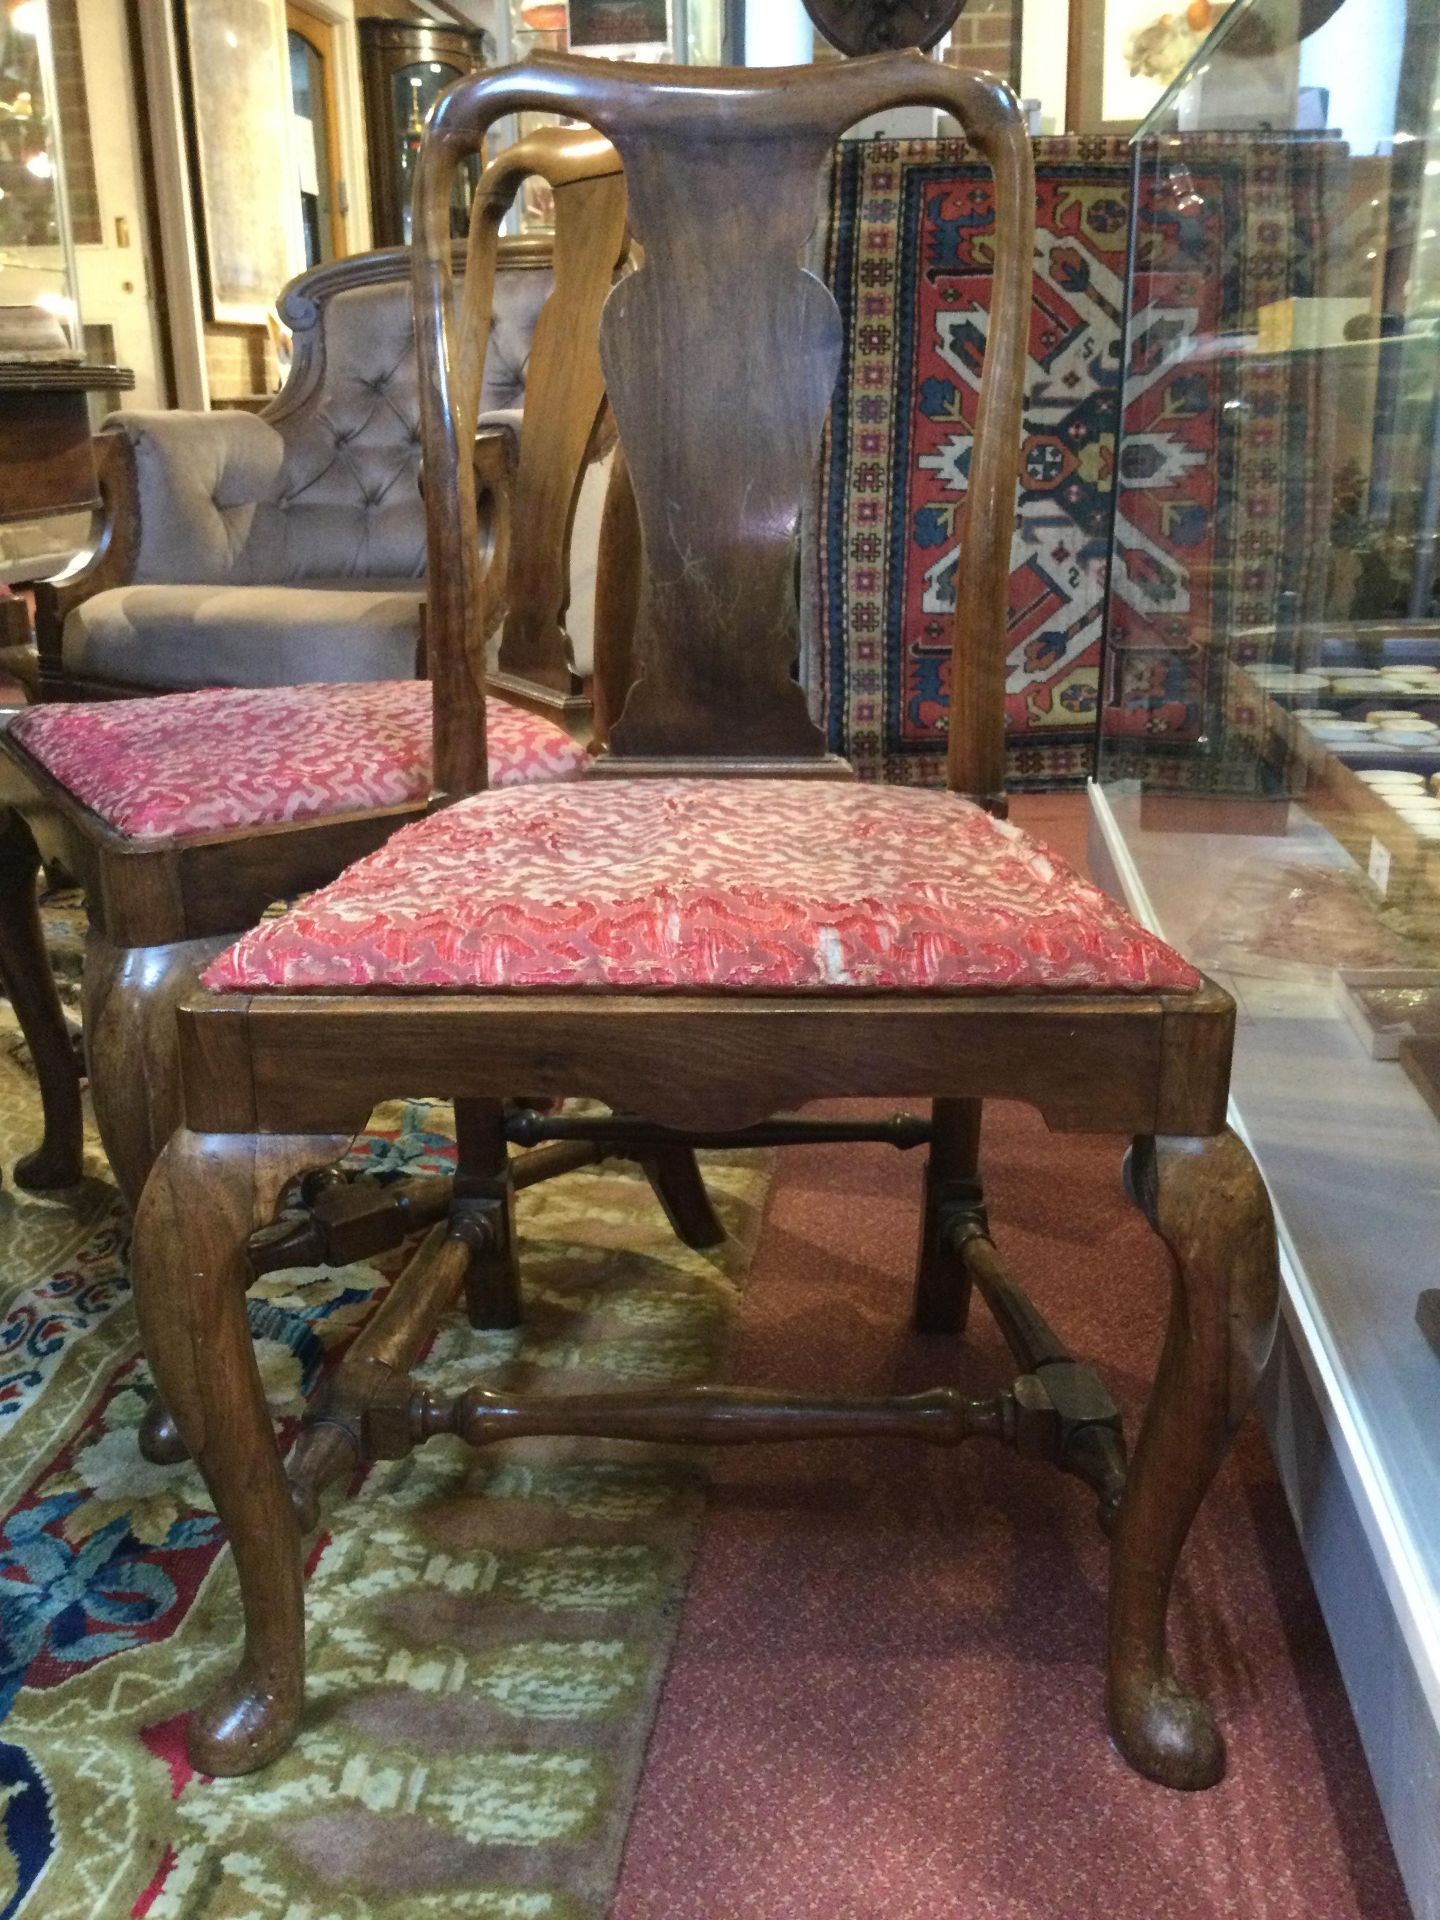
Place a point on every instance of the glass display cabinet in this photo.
(46, 463)
(1268, 787)
(405, 69)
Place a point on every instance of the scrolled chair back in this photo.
(720, 357)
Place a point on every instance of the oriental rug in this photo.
(909, 257)
(1221, 487)
(487, 1633)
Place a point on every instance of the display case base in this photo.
(1351, 1154)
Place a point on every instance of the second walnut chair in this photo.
(184, 815)
(723, 935)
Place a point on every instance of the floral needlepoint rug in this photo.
(487, 1631)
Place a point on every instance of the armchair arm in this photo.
(109, 560)
(177, 497)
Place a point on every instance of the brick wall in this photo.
(987, 36)
(239, 361)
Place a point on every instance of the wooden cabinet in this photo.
(405, 68)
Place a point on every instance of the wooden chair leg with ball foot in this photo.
(707, 947)
(30, 987)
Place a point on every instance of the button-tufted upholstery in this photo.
(751, 886)
(306, 507)
(228, 636)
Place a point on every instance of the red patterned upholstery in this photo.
(191, 763)
(749, 885)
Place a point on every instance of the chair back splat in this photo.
(720, 356)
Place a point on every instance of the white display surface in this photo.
(1351, 1154)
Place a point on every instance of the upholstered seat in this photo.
(233, 757)
(747, 885)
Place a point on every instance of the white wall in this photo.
(778, 33)
(116, 276)
(1044, 59)
(1356, 55)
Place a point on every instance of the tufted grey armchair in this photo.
(288, 546)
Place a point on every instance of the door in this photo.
(311, 42)
(112, 241)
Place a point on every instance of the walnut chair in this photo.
(184, 815)
(729, 932)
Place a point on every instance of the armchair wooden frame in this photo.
(720, 355)
(159, 909)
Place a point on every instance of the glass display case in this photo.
(405, 69)
(47, 466)
(1268, 788)
(687, 32)
(39, 321)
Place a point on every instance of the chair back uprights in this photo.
(720, 357)
(521, 581)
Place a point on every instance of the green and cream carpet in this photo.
(488, 1631)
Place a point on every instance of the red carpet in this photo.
(886, 1695)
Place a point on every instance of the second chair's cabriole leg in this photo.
(1208, 1203)
(30, 984)
(952, 1183)
(159, 1438)
(204, 1196)
(130, 997)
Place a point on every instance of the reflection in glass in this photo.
(1274, 619)
(38, 317)
(414, 90)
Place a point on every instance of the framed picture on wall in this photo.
(1125, 53)
(618, 23)
(238, 114)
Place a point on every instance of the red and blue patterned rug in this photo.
(486, 1634)
(1217, 451)
(910, 255)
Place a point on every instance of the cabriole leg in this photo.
(131, 1043)
(205, 1194)
(1208, 1203)
(30, 983)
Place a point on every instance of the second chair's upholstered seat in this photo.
(749, 885)
(193, 763)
